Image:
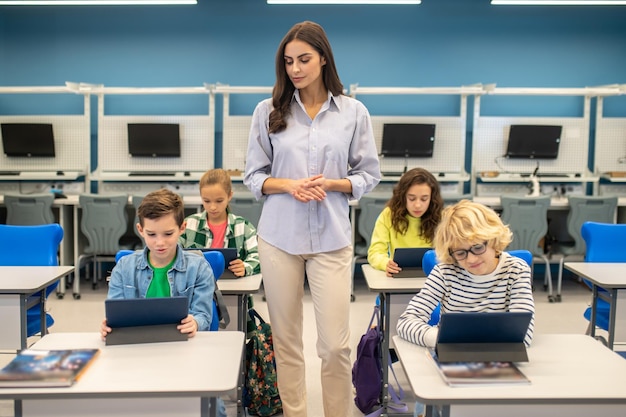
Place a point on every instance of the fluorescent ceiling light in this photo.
(93, 2)
(559, 2)
(344, 1)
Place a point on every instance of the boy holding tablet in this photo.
(163, 269)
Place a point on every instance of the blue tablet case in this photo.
(145, 320)
(483, 337)
(410, 260)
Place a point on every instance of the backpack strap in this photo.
(222, 311)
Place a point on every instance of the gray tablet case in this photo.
(483, 337)
(230, 254)
(410, 260)
(145, 320)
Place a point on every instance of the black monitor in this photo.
(408, 140)
(534, 141)
(154, 139)
(28, 139)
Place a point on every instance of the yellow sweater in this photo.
(385, 239)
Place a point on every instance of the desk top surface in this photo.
(378, 281)
(205, 365)
(607, 275)
(245, 285)
(30, 279)
(562, 368)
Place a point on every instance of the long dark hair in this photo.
(314, 35)
(397, 203)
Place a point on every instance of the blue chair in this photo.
(603, 245)
(429, 260)
(32, 246)
(216, 260)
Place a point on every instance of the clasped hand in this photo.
(309, 189)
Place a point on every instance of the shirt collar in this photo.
(331, 100)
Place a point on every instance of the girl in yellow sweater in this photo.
(409, 220)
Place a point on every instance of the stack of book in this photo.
(459, 374)
(46, 368)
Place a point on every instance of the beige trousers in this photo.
(329, 275)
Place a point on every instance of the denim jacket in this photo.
(190, 276)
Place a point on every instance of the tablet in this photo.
(230, 254)
(144, 320)
(481, 337)
(410, 260)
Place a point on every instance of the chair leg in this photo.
(352, 297)
(548, 278)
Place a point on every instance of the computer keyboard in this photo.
(9, 172)
(392, 173)
(545, 175)
(552, 175)
(151, 174)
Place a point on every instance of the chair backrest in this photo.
(527, 218)
(248, 208)
(217, 262)
(605, 242)
(370, 209)
(137, 199)
(30, 245)
(588, 208)
(103, 222)
(29, 209)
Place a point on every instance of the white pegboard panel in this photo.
(71, 143)
(612, 189)
(610, 146)
(197, 140)
(235, 141)
(449, 147)
(491, 190)
(131, 188)
(490, 140)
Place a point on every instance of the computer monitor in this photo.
(28, 139)
(154, 139)
(408, 140)
(534, 141)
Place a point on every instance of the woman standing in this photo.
(311, 149)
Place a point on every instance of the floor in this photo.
(86, 314)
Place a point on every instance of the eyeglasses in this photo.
(461, 254)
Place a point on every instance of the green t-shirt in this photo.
(160, 285)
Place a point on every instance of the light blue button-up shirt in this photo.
(338, 143)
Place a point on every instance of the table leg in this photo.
(242, 301)
(42, 313)
(612, 317)
(594, 310)
(17, 408)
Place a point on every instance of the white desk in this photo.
(612, 277)
(386, 287)
(242, 288)
(571, 375)
(17, 285)
(148, 379)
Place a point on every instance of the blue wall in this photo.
(439, 43)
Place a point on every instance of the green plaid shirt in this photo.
(240, 234)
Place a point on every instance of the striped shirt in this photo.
(240, 234)
(507, 288)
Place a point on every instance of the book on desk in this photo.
(464, 374)
(46, 368)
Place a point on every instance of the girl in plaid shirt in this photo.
(217, 227)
